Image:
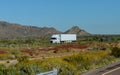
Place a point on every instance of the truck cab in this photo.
(55, 39)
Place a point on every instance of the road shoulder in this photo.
(100, 71)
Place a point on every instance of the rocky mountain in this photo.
(11, 30)
(16, 30)
(78, 31)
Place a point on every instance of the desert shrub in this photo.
(11, 70)
(16, 53)
(26, 67)
(33, 67)
(87, 60)
(80, 60)
(2, 68)
(29, 68)
(23, 59)
(22, 68)
(115, 51)
(63, 67)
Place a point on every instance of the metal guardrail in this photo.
(53, 72)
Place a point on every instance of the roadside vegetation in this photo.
(37, 55)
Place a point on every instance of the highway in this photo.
(115, 71)
(112, 69)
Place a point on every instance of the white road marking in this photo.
(110, 71)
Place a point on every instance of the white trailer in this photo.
(58, 38)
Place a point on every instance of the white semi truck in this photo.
(59, 38)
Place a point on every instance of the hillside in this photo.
(17, 30)
(11, 30)
(78, 31)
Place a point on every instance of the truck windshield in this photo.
(53, 38)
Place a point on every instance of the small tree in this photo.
(115, 51)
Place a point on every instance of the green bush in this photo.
(23, 59)
(115, 51)
(22, 68)
(88, 60)
(81, 61)
(11, 70)
(2, 68)
(29, 68)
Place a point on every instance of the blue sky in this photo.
(94, 16)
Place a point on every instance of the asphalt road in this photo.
(112, 69)
(115, 71)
